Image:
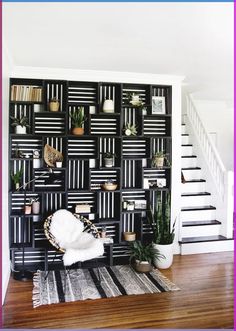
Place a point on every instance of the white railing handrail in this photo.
(212, 156)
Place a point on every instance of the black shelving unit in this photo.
(83, 167)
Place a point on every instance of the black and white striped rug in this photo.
(82, 284)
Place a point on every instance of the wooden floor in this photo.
(205, 301)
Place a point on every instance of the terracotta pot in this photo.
(78, 131)
(28, 209)
(54, 105)
(142, 266)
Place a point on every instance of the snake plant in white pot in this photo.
(163, 233)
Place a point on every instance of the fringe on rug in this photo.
(36, 290)
(166, 281)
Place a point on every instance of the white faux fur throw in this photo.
(68, 231)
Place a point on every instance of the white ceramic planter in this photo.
(108, 106)
(108, 162)
(58, 164)
(36, 207)
(20, 129)
(167, 252)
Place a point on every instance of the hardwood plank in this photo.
(206, 282)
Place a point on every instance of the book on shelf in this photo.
(24, 93)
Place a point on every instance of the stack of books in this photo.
(26, 93)
(82, 208)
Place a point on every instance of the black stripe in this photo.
(97, 283)
(60, 292)
(155, 282)
(116, 281)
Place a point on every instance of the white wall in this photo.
(219, 118)
(7, 68)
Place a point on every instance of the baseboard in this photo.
(5, 281)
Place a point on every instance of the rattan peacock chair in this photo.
(89, 227)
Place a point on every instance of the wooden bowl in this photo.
(109, 187)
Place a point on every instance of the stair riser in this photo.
(185, 140)
(193, 187)
(183, 129)
(207, 247)
(186, 150)
(198, 215)
(188, 162)
(200, 231)
(192, 174)
(201, 200)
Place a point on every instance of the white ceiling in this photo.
(190, 39)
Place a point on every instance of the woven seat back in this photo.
(89, 227)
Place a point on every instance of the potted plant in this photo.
(54, 104)
(109, 159)
(17, 178)
(58, 160)
(130, 130)
(158, 159)
(143, 256)
(78, 119)
(163, 233)
(20, 124)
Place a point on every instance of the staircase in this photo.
(200, 230)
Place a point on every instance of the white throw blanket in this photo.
(68, 231)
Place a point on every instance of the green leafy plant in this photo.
(78, 118)
(143, 252)
(17, 176)
(130, 130)
(22, 121)
(54, 99)
(158, 155)
(160, 222)
(109, 155)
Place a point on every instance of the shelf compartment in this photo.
(108, 205)
(163, 91)
(82, 93)
(112, 145)
(156, 178)
(25, 145)
(136, 148)
(75, 198)
(78, 174)
(135, 196)
(131, 222)
(26, 90)
(100, 176)
(18, 111)
(53, 202)
(142, 90)
(105, 124)
(26, 165)
(16, 230)
(156, 125)
(110, 91)
(49, 182)
(82, 148)
(56, 89)
(34, 258)
(50, 123)
(133, 116)
(19, 200)
(131, 174)
(86, 112)
(112, 229)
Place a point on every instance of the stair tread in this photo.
(188, 156)
(186, 145)
(184, 134)
(195, 181)
(191, 208)
(199, 223)
(191, 168)
(190, 240)
(195, 194)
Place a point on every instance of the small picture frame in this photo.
(158, 105)
(150, 183)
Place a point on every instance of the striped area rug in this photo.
(83, 284)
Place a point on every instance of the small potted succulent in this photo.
(130, 130)
(143, 255)
(78, 119)
(158, 159)
(54, 104)
(16, 178)
(20, 124)
(108, 158)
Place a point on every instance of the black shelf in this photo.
(83, 163)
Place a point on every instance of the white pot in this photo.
(36, 207)
(108, 162)
(58, 164)
(108, 106)
(167, 252)
(20, 129)
(36, 163)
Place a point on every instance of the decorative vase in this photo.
(108, 162)
(54, 105)
(58, 164)
(20, 129)
(166, 261)
(28, 209)
(108, 106)
(36, 207)
(158, 162)
(143, 266)
(129, 236)
(78, 131)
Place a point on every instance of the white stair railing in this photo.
(222, 178)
